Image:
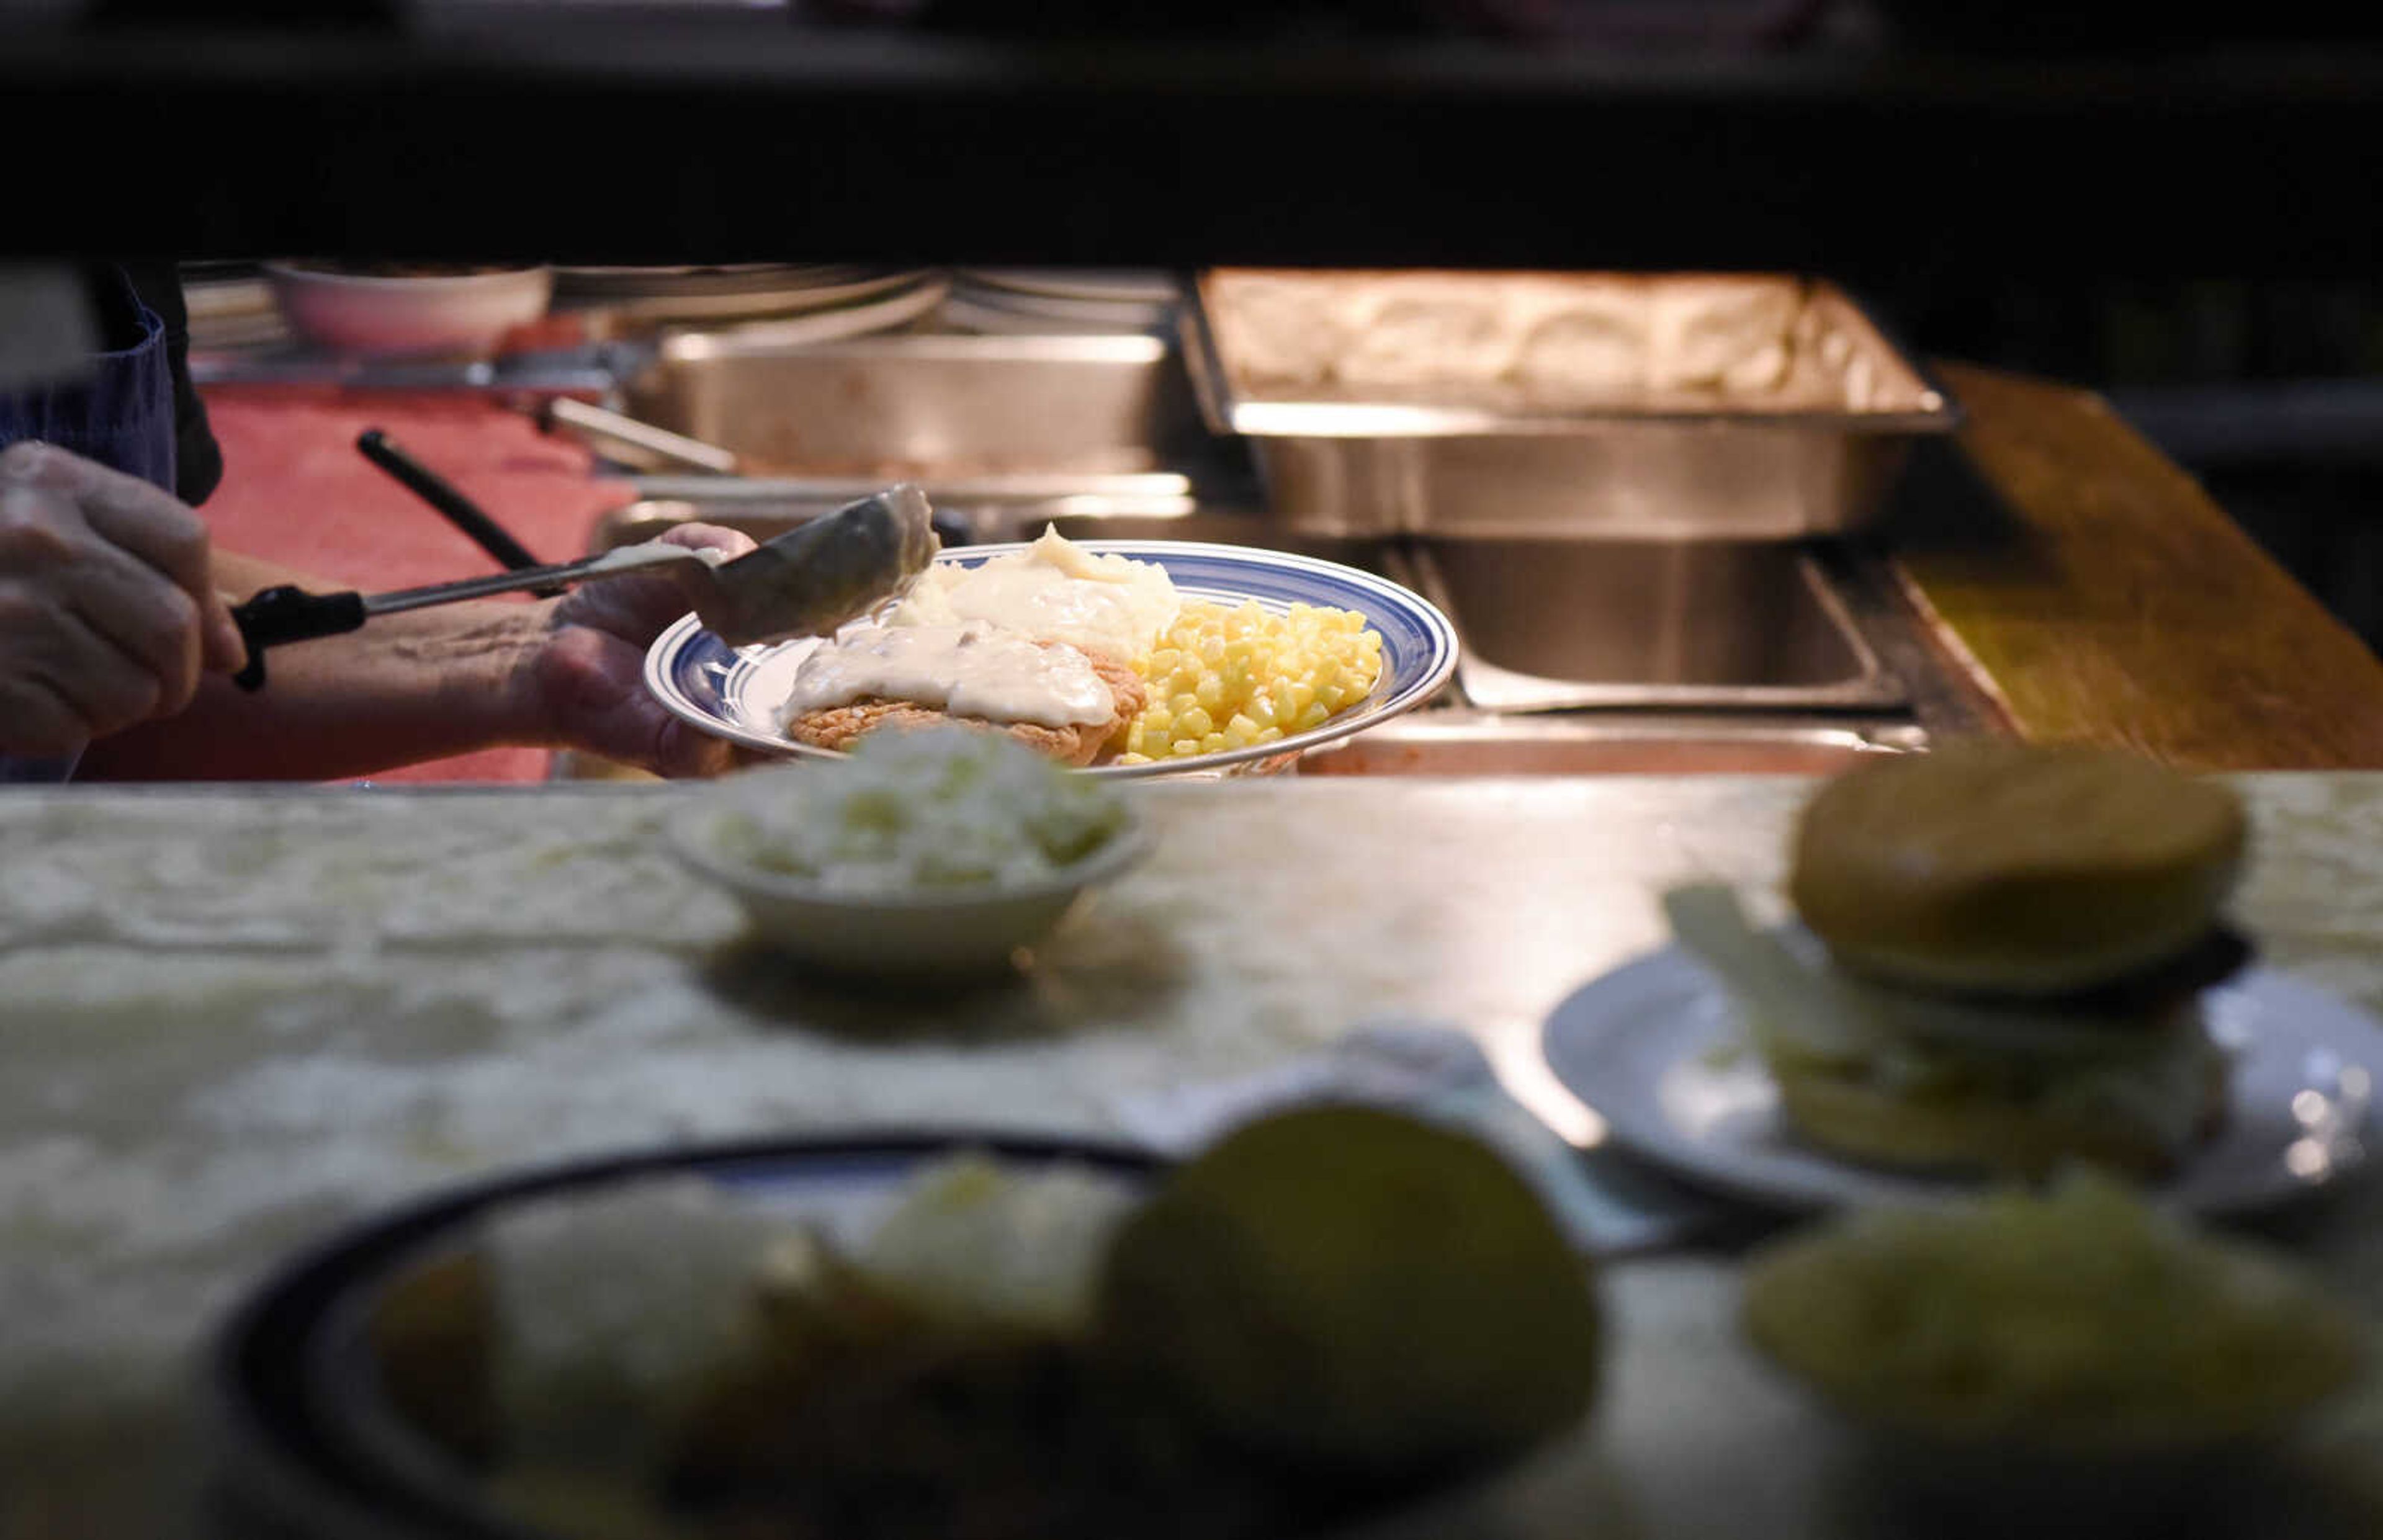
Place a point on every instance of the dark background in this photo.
(2176, 204)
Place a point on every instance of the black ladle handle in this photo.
(287, 614)
(459, 509)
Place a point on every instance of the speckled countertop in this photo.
(228, 1021)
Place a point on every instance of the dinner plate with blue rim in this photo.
(734, 693)
(303, 1445)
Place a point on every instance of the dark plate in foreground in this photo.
(280, 1460)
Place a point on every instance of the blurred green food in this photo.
(2078, 1320)
(1356, 1293)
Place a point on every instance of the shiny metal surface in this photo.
(1458, 742)
(805, 579)
(924, 406)
(632, 442)
(1550, 626)
(1646, 481)
(581, 371)
(1016, 497)
(1090, 515)
(1489, 459)
(1112, 521)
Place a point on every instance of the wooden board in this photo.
(2094, 590)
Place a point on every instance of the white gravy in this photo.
(969, 671)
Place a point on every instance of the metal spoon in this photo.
(804, 583)
(610, 429)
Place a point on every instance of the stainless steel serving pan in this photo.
(1558, 406)
(1728, 625)
(925, 406)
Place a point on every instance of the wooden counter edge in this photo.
(2090, 587)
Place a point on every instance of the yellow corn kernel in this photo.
(1224, 678)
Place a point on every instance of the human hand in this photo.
(586, 674)
(108, 613)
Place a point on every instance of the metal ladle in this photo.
(804, 583)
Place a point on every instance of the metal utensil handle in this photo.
(587, 419)
(532, 580)
(288, 614)
(458, 509)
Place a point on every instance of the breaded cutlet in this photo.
(839, 727)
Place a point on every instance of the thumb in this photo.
(224, 650)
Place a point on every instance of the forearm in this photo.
(407, 687)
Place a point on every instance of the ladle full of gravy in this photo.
(804, 583)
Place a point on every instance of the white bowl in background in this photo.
(463, 313)
(937, 932)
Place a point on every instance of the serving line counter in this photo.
(230, 1020)
(2045, 572)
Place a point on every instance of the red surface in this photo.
(296, 491)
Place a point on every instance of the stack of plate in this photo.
(1040, 302)
(230, 307)
(619, 300)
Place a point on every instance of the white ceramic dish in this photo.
(1649, 1046)
(466, 312)
(734, 693)
(934, 933)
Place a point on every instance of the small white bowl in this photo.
(463, 313)
(938, 933)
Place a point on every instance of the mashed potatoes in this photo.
(1053, 591)
(973, 1239)
(607, 1303)
(615, 1308)
(933, 808)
